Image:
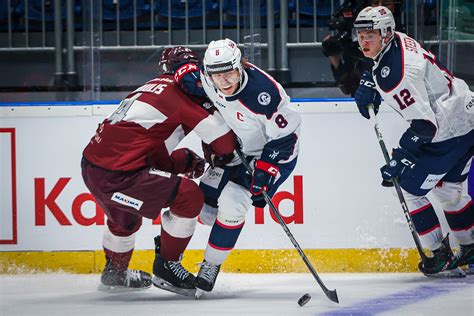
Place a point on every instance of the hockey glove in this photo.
(188, 77)
(419, 133)
(213, 159)
(262, 180)
(366, 95)
(195, 165)
(402, 161)
(331, 46)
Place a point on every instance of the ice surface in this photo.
(243, 294)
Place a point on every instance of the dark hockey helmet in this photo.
(173, 57)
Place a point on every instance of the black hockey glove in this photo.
(331, 46)
(366, 95)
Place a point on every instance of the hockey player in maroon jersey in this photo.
(133, 169)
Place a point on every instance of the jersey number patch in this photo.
(280, 121)
(405, 99)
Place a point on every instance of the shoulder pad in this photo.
(261, 94)
(391, 68)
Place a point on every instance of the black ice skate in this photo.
(443, 263)
(171, 275)
(207, 276)
(113, 280)
(466, 258)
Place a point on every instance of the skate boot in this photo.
(207, 276)
(443, 262)
(112, 279)
(466, 257)
(171, 275)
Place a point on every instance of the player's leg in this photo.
(459, 208)
(436, 162)
(428, 227)
(212, 183)
(118, 243)
(122, 224)
(234, 203)
(177, 228)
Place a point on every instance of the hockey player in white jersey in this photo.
(435, 152)
(256, 108)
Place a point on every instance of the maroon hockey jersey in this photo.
(148, 125)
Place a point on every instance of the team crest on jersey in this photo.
(385, 72)
(264, 98)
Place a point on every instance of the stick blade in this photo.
(332, 295)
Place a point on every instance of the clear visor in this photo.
(231, 77)
(368, 37)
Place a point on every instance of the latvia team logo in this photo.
(264, 98)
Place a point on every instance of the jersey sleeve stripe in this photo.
(211, 128)
(141, 110)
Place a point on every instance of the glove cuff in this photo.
(267, 167)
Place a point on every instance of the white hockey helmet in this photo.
(375, 18)
(222, 56)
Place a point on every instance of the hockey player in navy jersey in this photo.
(435, 152)
(256, 108)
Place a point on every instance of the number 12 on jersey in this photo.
(405, 99)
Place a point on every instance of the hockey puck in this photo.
(304, 299)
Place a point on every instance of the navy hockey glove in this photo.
(401, 162)
(189, 79)
(366, 95)
(262, 179)
(419, 133)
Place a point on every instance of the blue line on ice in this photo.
(401, 299)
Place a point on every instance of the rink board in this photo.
(333, 203)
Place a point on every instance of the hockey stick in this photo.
(331, 294)
(396, 184)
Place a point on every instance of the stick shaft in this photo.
(330, 294)
(396, 184)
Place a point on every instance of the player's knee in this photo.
(234, 204)
(452, 195)
(415, 202)
(188, 201)
(208, 215)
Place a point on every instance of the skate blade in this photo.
(165, 285)
(119, 289)
(199, 293)
(454, 273)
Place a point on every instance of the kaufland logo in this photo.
(57, 202)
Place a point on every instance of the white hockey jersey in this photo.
(418, 87)
(258, 112)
